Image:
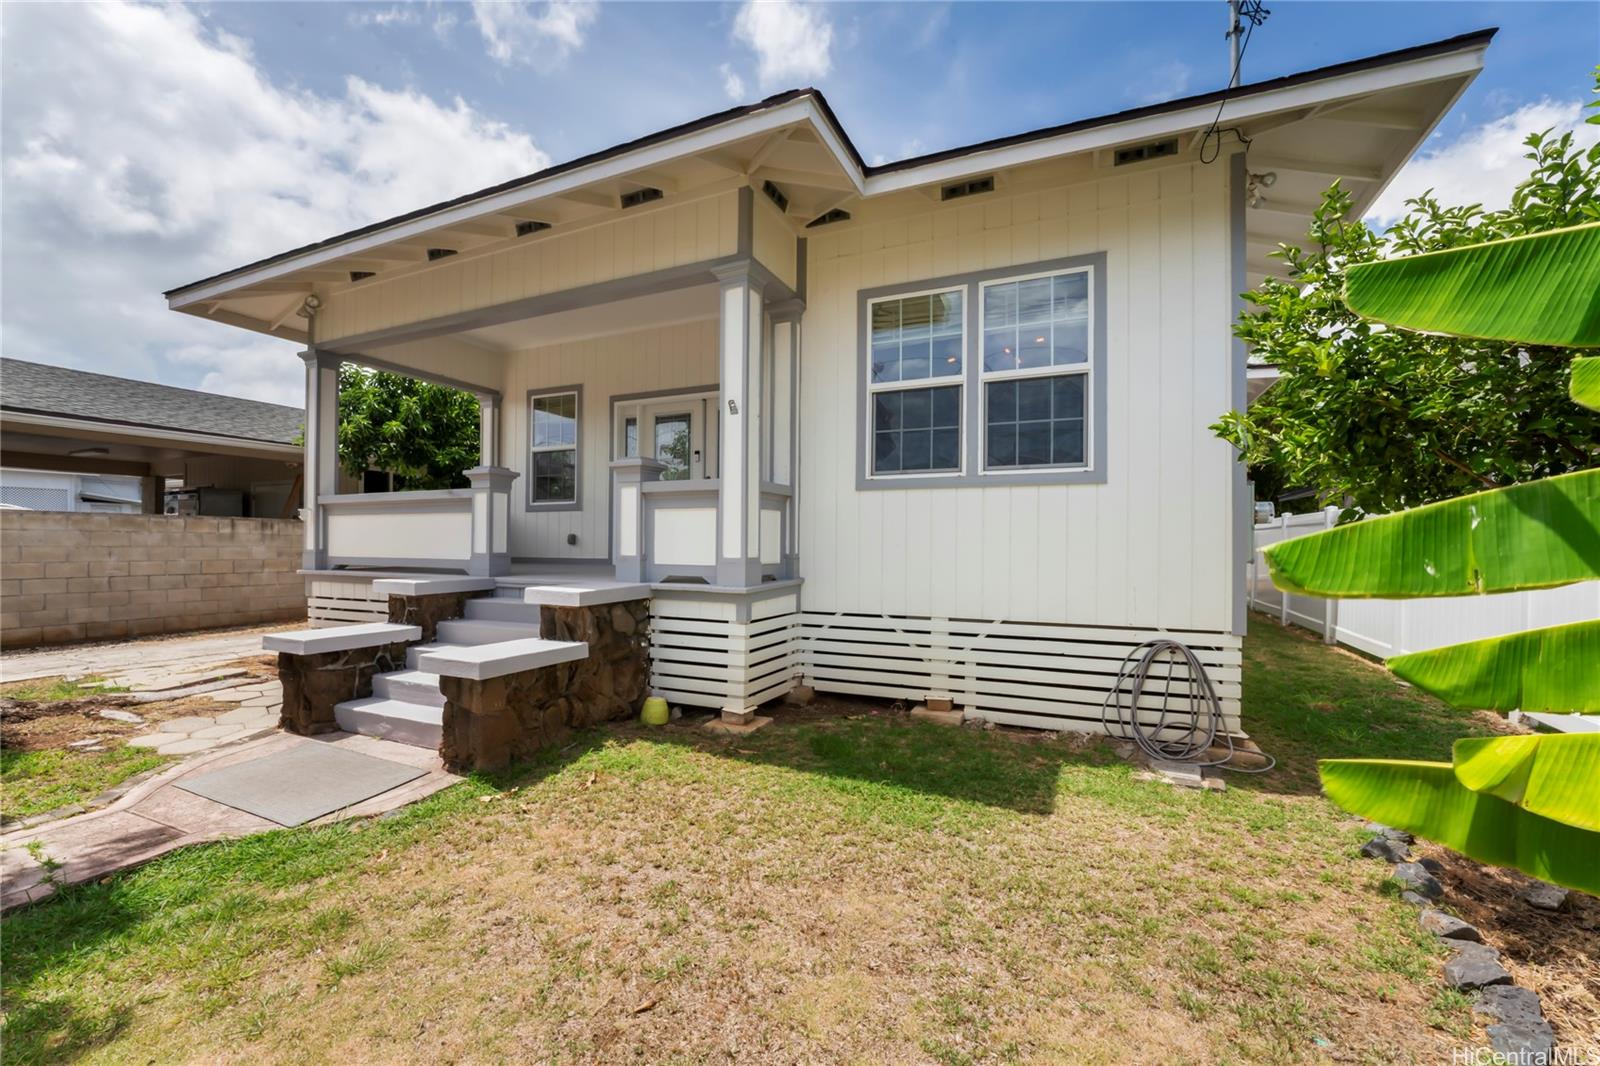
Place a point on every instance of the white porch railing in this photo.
(444, 529)
(667, 530)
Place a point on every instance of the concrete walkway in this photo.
(157, 817)
(156, 664)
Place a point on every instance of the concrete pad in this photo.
(195, 815)
(152, 740)
(928, 714)
(303, 783)
(186, 746)
(232, 695)
(186, 725)
(737, 729)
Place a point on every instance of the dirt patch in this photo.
(256, 667)
(29, 725)
(1557, 954)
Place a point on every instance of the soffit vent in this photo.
(967, 188)
(828, 219)
(775, 194)
(531, 226)
(1140, 152)
(640, 196)
(362, 275)
(440, 253)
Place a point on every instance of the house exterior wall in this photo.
(78, 576)
(673, 233)
(671, 357)
(1151, 546)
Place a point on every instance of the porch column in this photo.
(488, 429)
(491, 520)
(320, 474)
(739, 500)
(784, 435)
(628, 514)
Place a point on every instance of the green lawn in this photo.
(852, 888)
(32, 782)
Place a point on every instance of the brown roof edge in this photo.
(1422, 51)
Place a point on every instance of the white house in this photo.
(930, 428)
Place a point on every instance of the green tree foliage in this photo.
(1391, 418)
(424, 434)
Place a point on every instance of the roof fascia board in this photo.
(799, 110)
(13, 419)
(1468, 62)
(1364, 199)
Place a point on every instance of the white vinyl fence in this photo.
(1386, 628)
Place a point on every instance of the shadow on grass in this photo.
(859, 742)
(1305, 701)
(193, 893)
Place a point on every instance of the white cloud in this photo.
(1484, 164)
(1164, 82)
(793, 42)
(732, 84)
(388, 16)
(536, 35)
(142, 149)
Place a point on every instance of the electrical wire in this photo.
(1254, 15)
(1186, 727)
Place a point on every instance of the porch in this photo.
(583, 475)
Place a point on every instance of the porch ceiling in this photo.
(620, 316)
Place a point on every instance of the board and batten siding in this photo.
(642, 240)
(670, 357)
(1153, 545)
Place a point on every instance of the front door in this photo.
(677, 431)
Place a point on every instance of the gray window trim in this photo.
(576, 503)
(972, 382)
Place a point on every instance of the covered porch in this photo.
(640, 438)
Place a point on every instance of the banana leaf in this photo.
(1556, 776)
(1537, 289)
(1427, 799)
(1584, 387)
(1536, 535)
(1552, 669)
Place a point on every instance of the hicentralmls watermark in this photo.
(1561, 1056)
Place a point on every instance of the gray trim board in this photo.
(971, 381)
(576, 503)
(375, 363)
(746, 242)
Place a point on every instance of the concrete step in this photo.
(502, 609)
(470, 631)
(396, 720)
(412, 686)
(418, 650)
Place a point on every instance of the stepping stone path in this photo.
(259, 704)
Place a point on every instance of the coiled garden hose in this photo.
(1189, 722)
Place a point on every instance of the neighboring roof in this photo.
(35, 388)
(1467, 40)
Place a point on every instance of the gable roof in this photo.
(35, 388)
(1475, 39)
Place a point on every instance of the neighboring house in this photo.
(168, 448)
(930, 428)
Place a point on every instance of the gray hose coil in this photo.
(1190, 720)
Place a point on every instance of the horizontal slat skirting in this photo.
(882, 642)
(978, 675)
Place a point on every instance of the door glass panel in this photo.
(672, 446)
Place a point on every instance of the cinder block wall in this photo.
(70, 576)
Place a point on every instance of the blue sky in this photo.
(146, 147)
